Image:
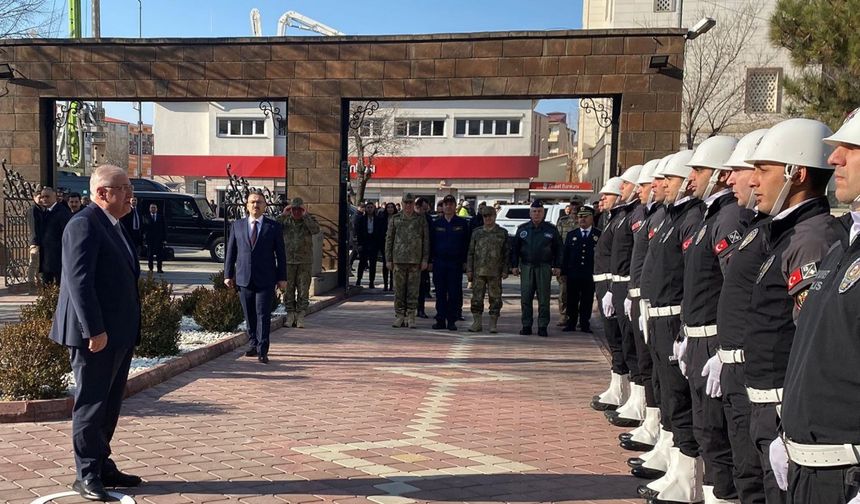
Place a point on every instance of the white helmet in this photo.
(646, 175)
(631, 174)
(661, 166)
(612, 186)
(849, 132)
(796, 142)
(744, 149)
(713, 152)
(679, 166)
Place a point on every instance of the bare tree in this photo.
(715, 67)
(374, 131)
(26, 18)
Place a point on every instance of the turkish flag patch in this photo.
(651, 233)
(804, 272)
(636, 225)
(794, 278)
(687, 243)
(723, 245)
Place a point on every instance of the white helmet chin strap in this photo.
(650, 198)
(751, 200)
(711, 183)
(683, 189)
(788, 173)
(633, 194)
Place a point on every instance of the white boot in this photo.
(659, 484)
(686, 480)
(710, 498)
(649, 432)
(619, 389)
(634, 407)
(608, 389)
(660, 457)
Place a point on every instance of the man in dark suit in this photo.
(578, 266)
(370, 237)
(98, 319)
(133, 223)
(34, 223)
(155, 231)
(255, 261)
(54, 220)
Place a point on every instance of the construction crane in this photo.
(296, 20)
(256, 25)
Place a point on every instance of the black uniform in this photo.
(732, 314)
(705, 258)
(619, 266)
(602, 272)
(796, 244)
(577, 268)
(668, 289)
(51, 228)
(821, 404)
(449, 246)
(155, 230)
(370, 238)
(133, 222)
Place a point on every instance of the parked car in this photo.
(511, 216)
(81, 184)
(189, 219)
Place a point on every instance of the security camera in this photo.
(703, 26)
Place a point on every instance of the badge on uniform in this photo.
(734, 237)
(701, 234)
(668, 234)
(851, 277)
(764, 268)
(523, 234)
(748, 238)
(723, 245)
(620, 223)
(686, 244)
(802, 273)
(636, 225)
(595, 238)
(548, 235)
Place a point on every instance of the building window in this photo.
(241, 127)
(200, 187)
(664, 5)
(487, 127)
(420, 127)
(763, 90)
(371, 128)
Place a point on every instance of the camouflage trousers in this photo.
(33, 266)
(407, 279)
(492, 286)
(562, 299)
(298, 287)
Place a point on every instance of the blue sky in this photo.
(224, 18)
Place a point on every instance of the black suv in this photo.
(190, 221)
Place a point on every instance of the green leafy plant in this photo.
(160, 318)
(188, 302)
(218, 310)
(31, 365)
(44, 306)
(218, 280)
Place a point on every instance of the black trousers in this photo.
(675, 400)
(50, 278)
(748, 474)
(764, 428)
(423, 290)
(611, 331)
(257, 306)
(580, 299)
(709, 420)
(100, 379)
(628, 345)
(367, 260)
(448, 280)
(819, 485)
(155, 253)
(643, 358)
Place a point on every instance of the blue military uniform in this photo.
(449, 246)
(577, 267)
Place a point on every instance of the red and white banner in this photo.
(216, 166)
(452, 167)
(561, 186)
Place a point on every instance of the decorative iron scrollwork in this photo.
(274, 113)
(602, 112)
(362, 112)
(18, 199)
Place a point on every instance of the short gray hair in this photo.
(102, 176)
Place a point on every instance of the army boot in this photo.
(410, 321)
(291, 319)
(300, 320)
(399, 321)
(477, 322)
(494, 319)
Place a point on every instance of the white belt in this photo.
(634, 293)
(731, 356)
(601, 277)
(664, 311)
(764, 396)
(619, 278)
(700, 331)
(814, 455)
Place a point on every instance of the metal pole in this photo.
(139, 170)
(680, 13)
(97, 29)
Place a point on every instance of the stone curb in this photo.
(46, 410)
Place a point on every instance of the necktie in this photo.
(585, 234)
(153, 217)
(254, 234)
(135, 224)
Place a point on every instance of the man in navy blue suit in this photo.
(255, 262)
(577, 268)
(98, 319)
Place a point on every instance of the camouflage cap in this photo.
(408, 198)
(488, 210)
(297, 202)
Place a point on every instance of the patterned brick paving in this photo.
(350, 410)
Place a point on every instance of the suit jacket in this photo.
(155, 232)
(579, 253)
(51, 238)
(376, 240)
(262, 266)
(34, 222)
(128, 222)
(98, 292)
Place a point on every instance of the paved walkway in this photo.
(350, 410)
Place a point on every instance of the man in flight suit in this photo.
(449, 246)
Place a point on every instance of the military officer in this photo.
(789, 182)
(449, 246)
(577, 268)
(820, 411)
(486, 267)
(299, 227)
(536, 254)
(567, 223)
(407, 250)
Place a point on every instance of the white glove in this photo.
(712, 371)
(628, 307)
(855, 500)
(608, 309)
(779, 463)
(642, 327)
(678, 350)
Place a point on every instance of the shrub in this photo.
(188, 302)
(218, 310)
(44, 306)
(31, 365)
(160, 318)
(218, 280)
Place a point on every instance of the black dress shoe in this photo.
(646, 473)
(526, 331)
(624, 436)
(421, 314)
(599, 406)
(91, 490)
(619, 421)
(251, 352)
(461, 318)
(569, 328)
(452, 326)
(120, 479)
(646, 493)
(629, 444)
(542, 332)
(634, 462)
(439, 325)
(263, 359)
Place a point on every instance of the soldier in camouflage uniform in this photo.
(486, 266)
(567, 223)
(407, 250)
(299, 228)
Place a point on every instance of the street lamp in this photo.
(703, 26)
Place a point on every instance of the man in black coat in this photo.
(370, 238)
(98, 319)
(133, 223)
(54, 220)
(577, 267)
(34, 223)
(155, 232)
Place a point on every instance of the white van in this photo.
(511, 216)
